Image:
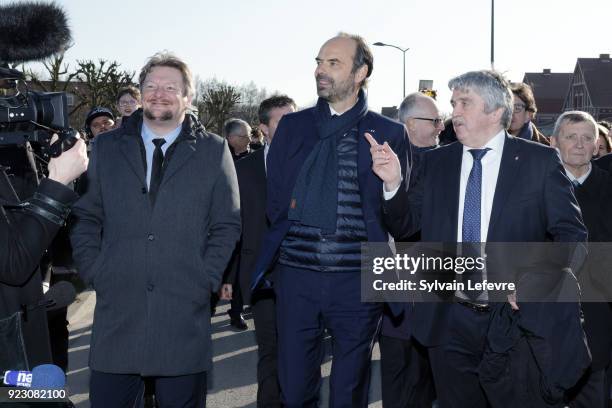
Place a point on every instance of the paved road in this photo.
(232, 382)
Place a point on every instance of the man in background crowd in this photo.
(576, 138)
(238, 135)
(99, 120)
(405, 369)
(252, 177)
(524, 110)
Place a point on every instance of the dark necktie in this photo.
(472, 215)
(156, 169)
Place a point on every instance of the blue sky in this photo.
(274, 43)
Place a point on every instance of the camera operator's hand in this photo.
(70, 164)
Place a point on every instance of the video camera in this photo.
(32, 31)
(29, 116)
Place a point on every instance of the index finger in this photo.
(371, 139)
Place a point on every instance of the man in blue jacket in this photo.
(323, 202)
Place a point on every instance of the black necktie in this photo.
(156, 169)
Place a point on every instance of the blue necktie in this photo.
(471, 218)
(471, 204)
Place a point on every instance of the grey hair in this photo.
(168, 59)
(574, 117)
(492, 87)
(411, 106)
(233, 125)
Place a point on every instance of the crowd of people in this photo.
(171, 218)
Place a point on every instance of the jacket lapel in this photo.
(451, 192)
(364, 158)
(130, 148)
(510, 163)
(182, 153)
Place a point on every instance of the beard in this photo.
(163, 117)
(336, 91)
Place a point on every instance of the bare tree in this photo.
(214, 101)
(99, 82)
(93, 83)
(57, 71)
(248, 107)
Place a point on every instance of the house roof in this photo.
(549, 89)
(597, 73)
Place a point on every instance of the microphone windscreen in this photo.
(32, 30)
(60, 294)
(48, 376)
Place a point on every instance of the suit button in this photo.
(150, 287)
(151, 237)
(144, 190)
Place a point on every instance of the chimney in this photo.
(546, 71)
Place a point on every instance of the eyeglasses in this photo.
(127, 103)
(171, 88)
(436, 122)
(519, 107)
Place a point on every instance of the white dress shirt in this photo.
(266, 150)
(490, 170)
(580, 179)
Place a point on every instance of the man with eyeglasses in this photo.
(524, 110)
(238, 135)
(153, 234)
(406, 377)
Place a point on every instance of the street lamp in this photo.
(403, 50)
(492, 34)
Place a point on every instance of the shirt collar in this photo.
(580, 179)
(496, 144)
(333, 111)
(148, 135)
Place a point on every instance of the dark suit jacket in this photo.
(294, 139)
(154, 267)
(533, 202)
(594, 198)
(604, 162)
(251, 174)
